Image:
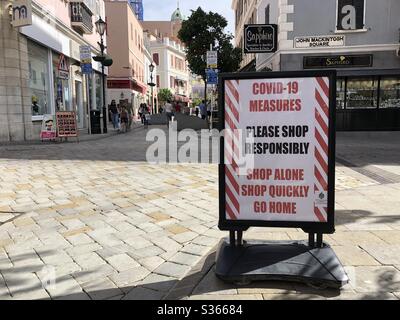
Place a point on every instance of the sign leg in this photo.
(232, 238)
(320, 240)
(311, 240)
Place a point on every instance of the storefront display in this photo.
(390, 92)
(362, 93)
(61, 86)
(39, 80)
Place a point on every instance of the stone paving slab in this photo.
(66, 209)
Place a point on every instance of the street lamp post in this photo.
(152, 85)
(101, 28)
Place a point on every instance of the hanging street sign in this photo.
(21, 13)
(259, 38)
(212, 59)
(85, 54)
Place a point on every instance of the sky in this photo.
(163, 9)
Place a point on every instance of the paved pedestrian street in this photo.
(95, 221)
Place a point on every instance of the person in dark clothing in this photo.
(114, 114)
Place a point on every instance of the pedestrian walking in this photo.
(169, 111)
(114, 115)
(141, 111)
(209, 111)
(203, 110)
(124, 119)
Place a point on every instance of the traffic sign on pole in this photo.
(212, 59)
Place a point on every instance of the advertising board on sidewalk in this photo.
(278, 152)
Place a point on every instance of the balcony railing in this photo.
(81, 18)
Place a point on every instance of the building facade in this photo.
(358, 38)
(126, 80)
(40, 70)
(169, 56)
(245, 13)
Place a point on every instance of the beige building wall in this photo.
(163, 29)
(15, 96)
(126, 47)
(52, 31)
(245, 13)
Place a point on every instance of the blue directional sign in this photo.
(212, 76)
(87, 68)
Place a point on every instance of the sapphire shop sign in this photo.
(260, 38)
(21, 13)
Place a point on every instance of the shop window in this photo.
(39, 90)
(389, 92)
(362, 93)
(62, 92)
(340, 94)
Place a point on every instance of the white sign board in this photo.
(21, 13)
(86, 54)
(319, 41)
(277, 149)
(212, 59)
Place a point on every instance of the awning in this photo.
(180, 98)
(126, 84)
(139, 87)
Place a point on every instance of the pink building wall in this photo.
(61, 10)
(125, 43)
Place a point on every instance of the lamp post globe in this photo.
(101, 26)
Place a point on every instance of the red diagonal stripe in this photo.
(232, 180)
(324, 86)
(234, 166)
(321, 161)
(230, 212)
(321, 122)
(229, 141)
(232, 197)
(321, 180)
(319, 214)
(233, 91)
(232, 108)
(321, 141)
(229, 121)
(322, 103)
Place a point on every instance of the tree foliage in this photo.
(202, 29)
(164, 95)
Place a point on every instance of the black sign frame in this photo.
(272, 28)
(308, 227)
(351, 57)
